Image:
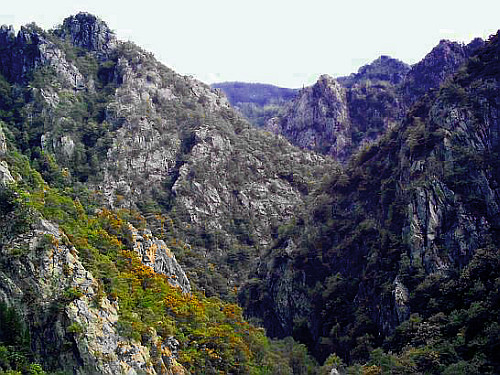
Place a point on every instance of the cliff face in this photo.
(147, 138)
(385, 239)
(71, 329)
(89, 32)
(336, 117)
(317, 119)
(442, 62)
(374, 100)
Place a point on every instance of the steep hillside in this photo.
(257, 102)
(137, 206)
(110, 164)
(89, 108)
(399, 251)
(317, 119)
(439, 64)
(335, 117)
(375, 99)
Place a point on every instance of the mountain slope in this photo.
(399, 250)
(143, 137)
(110, 164)
(375, 98)
(336, 117)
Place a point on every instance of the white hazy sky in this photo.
(283, 42)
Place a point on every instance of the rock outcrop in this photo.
(338, 116)
(317, 119)
(374, 99)
(5, 175)
(157, 255)
(72, 327)
(86, 31)
(442, 62)
(30, 50)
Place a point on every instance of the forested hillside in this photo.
(257, 102)
(147, 228)
(395, 262)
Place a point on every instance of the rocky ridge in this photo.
(318, 119)
(410, 217)
(396, 250)
(442, 62)
(89, 32)
(376, 98)
(72, 325)
(163, 141)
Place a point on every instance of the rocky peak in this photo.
(442, 62)
(88, 31)
(385, 68)
(30, 49)
(20, 52)
(317, 118)
(327, 86)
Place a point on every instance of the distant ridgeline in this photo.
(358, 222)
(257, 102)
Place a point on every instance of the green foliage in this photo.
(15, 217)
(75, 328)
(15, 353)
(212, 333)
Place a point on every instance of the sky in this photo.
(285, 43)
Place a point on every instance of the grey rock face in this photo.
(29, 50)
(87, 31)
(375, 99)
(176, 129)
(438, 215)
(442, 62)
(157, 255)
(5, 176)
(37, 269)
(339, 116)
(401, 299)
(318, 118)
(3, 143)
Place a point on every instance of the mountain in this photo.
(146, 138)
(375, 98)
(395, 262)
(384, 68)
(257, 102)
(113, 167)
(138, 208)
(336, 117)
(317, 119)
(443, 61)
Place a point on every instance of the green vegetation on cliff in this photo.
(388, 264)
(394, 265)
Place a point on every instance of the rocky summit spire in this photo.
(87, 31)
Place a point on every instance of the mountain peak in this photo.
(384, 68)
(88, 31)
